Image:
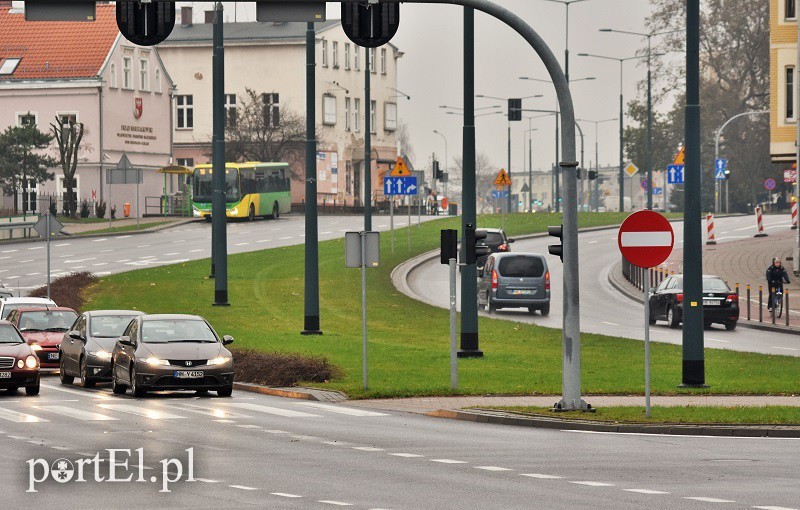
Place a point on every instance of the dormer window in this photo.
(8, 66)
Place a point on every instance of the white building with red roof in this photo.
(88, 72)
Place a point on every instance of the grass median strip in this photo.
(408, 340)
(732, 415)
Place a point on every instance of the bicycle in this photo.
(777, 304)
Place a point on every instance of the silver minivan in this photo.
(515, 280)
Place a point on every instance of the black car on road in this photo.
(720, 303)
(496, 240)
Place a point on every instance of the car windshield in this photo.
(176, 330)
(109, 326)
(47, 320)
(9, 335)
(714, 285)
(8, 308)
(521, 267)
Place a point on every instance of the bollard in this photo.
(748, 301)
(760, 303)
(760, 223)
(786, 305)
(794, 214)
(710, 231)
(772, 293)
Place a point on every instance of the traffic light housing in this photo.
(592, 175)
(727, 174)
(557, 249)
(515, 110)
(470, 245)
(437, 171)
(145, 24)
(370, 25)
(449, 246)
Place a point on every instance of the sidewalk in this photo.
(88, 228)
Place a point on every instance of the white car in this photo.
(12, 303)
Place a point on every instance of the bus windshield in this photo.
(202, 185)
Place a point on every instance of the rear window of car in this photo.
(715, 285)
(521, 267)
(492, 238)
(110, 326)
(10, 307)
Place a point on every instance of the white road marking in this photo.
(215, 412)
(368, 449)
(541, 476)
(37, 248)
(273, 431)
(153, 414)
(249, 426)
(592, 242)
(285, 238)
(8, 251)
(341, 410)
(711, 500)
(774, 508)
(62, 244)
(325, 233)
(285, 495)
(448, 461)
(196, 251)
(406, 455)
(594, 484)
(273, 410)
(33, 274)
(492, 468)
(171, 254)
(178, 241)
(76, 413)
(100, 264)
(123, 261)
(92, 394)
(645, 491)
(24, 261)
(224, 421)
(264, 241)
(241, 244)
(4, 258)
(243, 487)
(786, 348)
(334, 503)
(99, 240)
(206, 480)
(124, 237)
(610, 323)
(143, 246)
(16, 416)
(718, 340)
(79, 260)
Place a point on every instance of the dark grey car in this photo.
(515, 280)
(86, 348)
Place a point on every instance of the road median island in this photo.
(409, 340)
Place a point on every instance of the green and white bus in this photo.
(251, 190)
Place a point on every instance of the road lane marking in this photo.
(79, 260)
(493, 468)
(594, 484)
(243, 487)
(37, 248)
(100, 264)
(24, 261)
(541, 476)
(341, 410)
(62, 244)
(33, 274)
(241, 244)
(711, 500)
(448, 461)
(274, 431)
(99, 240)
(8, 251)
(368, 449)
(249, 426)
(215, 412)
(334, 503)
(285, 238)
(285, 495)
(721, 341)
(272, 410)
(206, 480)
(774, 508)
(610, 323)
(786, 348)
(645, 491)
(264, 241)
(406, 455)
(143, 246)
(153, 414)
(224, 421)
(171, 254)
(16, 416)
(196, 251)
(76, 413)
(124, 237)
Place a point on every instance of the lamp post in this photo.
(649, 36)
(596, 158)
(445, 158)
(529, 134)
(566, 4)
(719, 135)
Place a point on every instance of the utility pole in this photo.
(311, 296)
(218, 206)
(367, 146)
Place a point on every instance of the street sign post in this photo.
(401, 185)
(363, 250)
(499, 193)
(675, 174)
(646, 239)
(719, 169)
(449, 256)
(47, 226)
(631, 169)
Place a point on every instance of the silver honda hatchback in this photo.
(515, 280)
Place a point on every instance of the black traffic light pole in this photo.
(311, 296)
(367, 147)
(219, 239)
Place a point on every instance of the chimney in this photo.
(186, 16)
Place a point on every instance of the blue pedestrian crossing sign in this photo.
(499, 193)
(675, 174)
(720, 165)
(400, 186)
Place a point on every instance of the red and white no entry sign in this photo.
(646, 239)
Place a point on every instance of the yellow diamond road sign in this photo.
(631, 170)
(502, 179)
(400, 169)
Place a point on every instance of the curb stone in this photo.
(299, 393)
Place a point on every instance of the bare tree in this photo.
(68, 136)
(404, 137)
(485, 173)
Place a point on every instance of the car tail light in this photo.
(732, 298)
(679, 297)
(547, 281)
(494, 279)
(502, 247)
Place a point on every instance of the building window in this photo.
(9, 65)
(373, 116)
(357, 115)
(347, 56)
(112, 76)
(383, 60)
(357, 57)
(126, 73)
(187, 162)
(329, 110)
(347, 122)
(791, 9)
(185, 107)
(157, 78)
(790, 79)
(324, 53)
(272, 110)
(26, 119)
(336, 54)
(144, 75)
(67, 117)
(230, 110)
(372, 60)
(390, 117)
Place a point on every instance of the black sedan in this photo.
(86, 348)
(720, 303)
(496, 240)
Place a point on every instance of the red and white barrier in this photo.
(760, 220)
(710, 229)
(794, 215)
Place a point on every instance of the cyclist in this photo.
(776, 276)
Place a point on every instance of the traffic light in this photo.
(727, 174)
(557, 249)
(277, 11)
(370, 25)
(145, 24)
(514, 109)
(449, 246)
(437, 171)
(592, 175)
(470, 245)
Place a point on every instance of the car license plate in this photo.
(52, 355)
(712, 302)
(5, 375)
(521, 292)
(197, 374)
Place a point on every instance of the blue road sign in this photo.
(499, 194)
(400, 186)
(720, 165)
(770, 184)
(675, 174)
(657, 191)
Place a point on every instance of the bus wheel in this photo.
(252, 214)
(276, 212)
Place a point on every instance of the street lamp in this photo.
(596, 161)
(529, 133)
(649, 36)
(566, 4)
(446, 160)
(446, 107)
(716, 156)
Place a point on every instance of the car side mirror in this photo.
(126, 340)
(227, 340)
(76, 335)
(511, 241)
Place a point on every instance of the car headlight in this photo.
(20, 363)
(100, 354)
(155, 361)
(31, 362)
(218, 361)
(36, 347)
